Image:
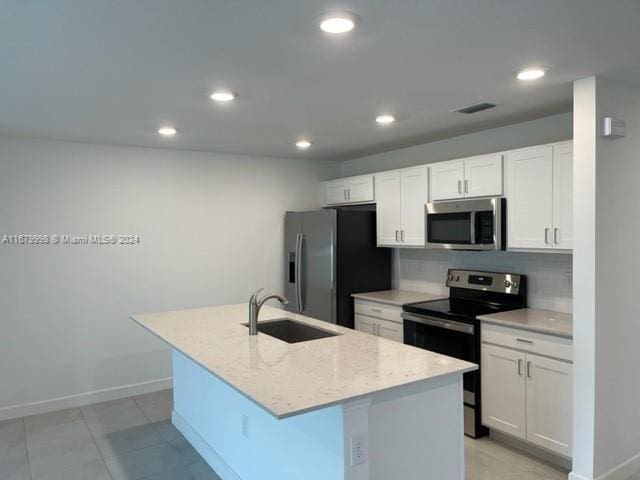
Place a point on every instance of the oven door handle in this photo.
(439, 323)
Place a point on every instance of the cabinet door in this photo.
(549, 403)
(413, 197)
(483, 176)
(563, 196)
(388, 208)
(447, 180)
(530, 198)
(390, 330)
(365, 324)
(503, 390)
(335, 192)
(360, 189)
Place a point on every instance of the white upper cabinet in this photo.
(349, 190)
(479, 176)
(388, 210)
(483, 176)
(447, 180)
(563, 195)
(400, 199)
(540, 197)
(335, 192)
(413, 197)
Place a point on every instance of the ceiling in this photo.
(115, 71)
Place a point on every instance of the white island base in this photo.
(413, 432)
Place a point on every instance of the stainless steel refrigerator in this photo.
(330, 254)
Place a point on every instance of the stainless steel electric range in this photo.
(451, 327)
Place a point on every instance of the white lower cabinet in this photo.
(504, 390)
(549, 408)
(526, 395)
(381, 320)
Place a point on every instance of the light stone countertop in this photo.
(396, 297)
(534, 320)
(289, 379)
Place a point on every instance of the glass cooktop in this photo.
(456, 308)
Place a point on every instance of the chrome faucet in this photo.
(254, 309)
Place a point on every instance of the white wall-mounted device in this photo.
(613, 128)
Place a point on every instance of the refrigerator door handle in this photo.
(299, 239)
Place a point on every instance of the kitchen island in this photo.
(347, 407)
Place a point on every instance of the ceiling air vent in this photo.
(478, 107)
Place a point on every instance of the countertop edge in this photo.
(529, 328)
(368, 298)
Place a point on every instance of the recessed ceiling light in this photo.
(385, 119)
(338, 22)
(167, 131)
(303, 144)
(222, 96)
(531, 73)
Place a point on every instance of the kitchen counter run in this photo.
(290, 379)
(396, 297)
(534, 320)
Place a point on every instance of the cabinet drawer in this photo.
(372, 309)
(526, 341)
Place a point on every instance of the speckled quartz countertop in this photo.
(289, 379)
(532, 319)
(396, 297)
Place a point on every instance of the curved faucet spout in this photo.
(254, 308)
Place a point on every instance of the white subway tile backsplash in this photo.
(549, 275)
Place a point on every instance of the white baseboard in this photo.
(623, 471)
(82, 399)
(215, 461)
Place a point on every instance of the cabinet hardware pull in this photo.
(377, 310)
(466, 186)
(530, 342)
(546, 235)
(402, 235)
(555, 235)
(348, 194)
(459, 186)
(529, 370)
(519, 367)
(344, 193)
(397, 231)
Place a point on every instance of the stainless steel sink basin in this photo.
(291, 331)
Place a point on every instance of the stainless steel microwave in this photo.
(467, 224)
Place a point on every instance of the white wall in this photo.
(554, 128)
(549, 276)
(211, 229)
(607, 424)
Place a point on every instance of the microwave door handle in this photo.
(472, 228)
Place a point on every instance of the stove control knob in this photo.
(507, 284)
(450, 278)
(514, 284)
(457, 278)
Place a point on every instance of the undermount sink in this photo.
(291, 331)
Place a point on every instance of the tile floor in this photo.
(133, 439)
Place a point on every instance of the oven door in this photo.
(466, 224)
(454, 339)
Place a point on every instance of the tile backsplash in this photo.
(549, 275)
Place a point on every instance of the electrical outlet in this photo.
(359, 450)
(245, 426)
